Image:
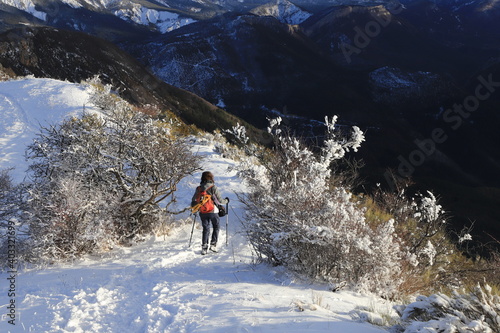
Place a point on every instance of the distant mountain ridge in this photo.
(167, 15)
(74, 56)
(284, 11)
(159, 16)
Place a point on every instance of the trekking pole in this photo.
(192, 230)
(227, 219)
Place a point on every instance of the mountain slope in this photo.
(151, 14)
(398, 85)
(420, 61)
(283, 10)
(74, 56)
(251, 64)
(162, 285)
(11, 17)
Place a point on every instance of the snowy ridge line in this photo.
(284, 11)
(28, 103)
(27, 6)
(133, 11)
(164, 21)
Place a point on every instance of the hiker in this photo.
(211, 216)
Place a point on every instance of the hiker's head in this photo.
(207, 177)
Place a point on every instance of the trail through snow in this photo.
(161, 284)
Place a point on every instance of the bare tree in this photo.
(104, 177)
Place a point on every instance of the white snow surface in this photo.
(284, 11)
(161, 284)
(27, 6)
(164, 21)
(25, 105)
(134, 11)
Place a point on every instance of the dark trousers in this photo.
(206, 219)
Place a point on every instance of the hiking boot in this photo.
(213, 248)
(203, 251)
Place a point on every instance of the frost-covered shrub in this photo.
(69, 218)
(222, 146)
(478, 311)
(422, 227)
(301, 220)
(420, 223)
(100, 178)
(238, 136)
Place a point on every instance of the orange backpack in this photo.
(204, 202)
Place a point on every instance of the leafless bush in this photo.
(477, 311)
(99, 179)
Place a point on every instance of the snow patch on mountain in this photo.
(164, 21)
(73, 3)
(393, 78)
(395, 84)
(284, 11)
(27, 6)
(161, 20)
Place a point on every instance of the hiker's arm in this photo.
(219, 196)
(193, 200)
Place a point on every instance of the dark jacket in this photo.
(213, 191)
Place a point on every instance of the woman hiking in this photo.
(211, 215)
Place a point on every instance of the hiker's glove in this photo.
(227, 199)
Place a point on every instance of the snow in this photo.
(221, 103)
(27, 104)
(392, 78)
(396, 84)
(284, 11)
(27, 6)
(161, 284)
(164, 21)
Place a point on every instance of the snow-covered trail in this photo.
(158, 286)
(162, 285)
